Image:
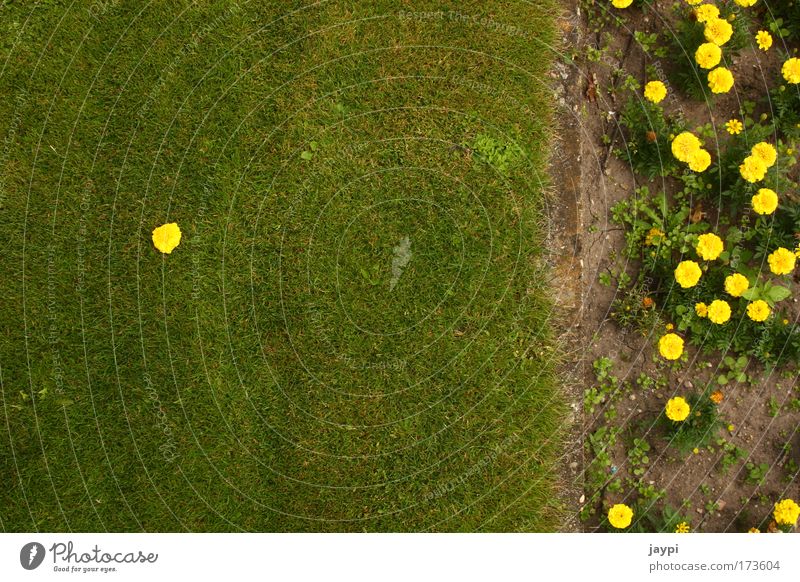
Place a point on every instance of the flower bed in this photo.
(697, 429)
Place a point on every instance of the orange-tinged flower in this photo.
(716, 396)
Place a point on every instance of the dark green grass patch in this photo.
(354, 331)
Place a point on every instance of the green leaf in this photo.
(306, 155)
(778, 293)
(752, 294)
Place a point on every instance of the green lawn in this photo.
(354, 333)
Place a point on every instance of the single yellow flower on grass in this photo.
(682, 527)
(718, 31)
(736, 284)
(706, 12)
(765, 202)
(684, 145)
(758, 310)
(670, 346)
(720, 80)
(167, 237)
(734, 127)
(763, 40)
(709, 246)
(677, 409)
(781, 261)
(786, 512)
(753, 169)
(708, 55)
(766, 153)
(791, 71)
(687, 274)
(655, 91)
(620, 516)
(719, 311)
(700, 160)
(701, 309)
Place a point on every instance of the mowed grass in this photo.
(354, 333)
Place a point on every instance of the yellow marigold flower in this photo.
(734, 127)
(716, 396)
(701, 309)
(684, 145)
(736, 284)
(719, 311)
(781, 261)
(720, 80)
(621, 3)
(655, 91)
(699, 161)
(708, 55)
(791, 71)
(694, 2)
(677, 409)
(765, 202)
(670, 346)
(687, 274)
(758, 310)
(745, 3)
(709, 246)
(753, 169)
(763, 40)
(706, 12)
(754, 530)
(786, 512)
(653, 237)
(682, 527)
(766, 153)
(718, 31)
(620, 516)
(167, 237)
